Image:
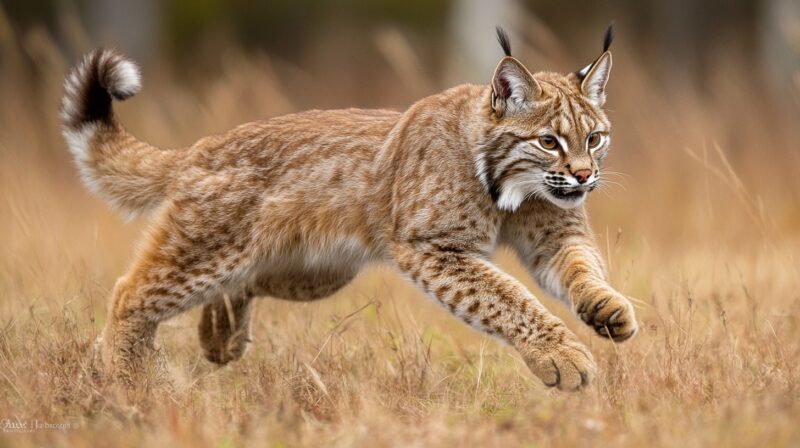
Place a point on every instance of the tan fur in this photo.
(293, 207)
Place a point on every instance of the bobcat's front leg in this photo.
(489, 299)
(575, 270)
(603, 308)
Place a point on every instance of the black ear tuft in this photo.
(502, 37)
(609, 37)
(607, 40)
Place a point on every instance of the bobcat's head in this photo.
(549, 132)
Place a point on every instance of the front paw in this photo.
(568, 365)
(611, 315)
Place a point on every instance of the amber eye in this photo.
(548, 142)
(593, 139)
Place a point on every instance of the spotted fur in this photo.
(293, 207)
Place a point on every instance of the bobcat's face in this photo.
(549, 134)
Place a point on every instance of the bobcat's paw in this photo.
(610, 315)
(224, 330)
(568, 366)
(223, 351)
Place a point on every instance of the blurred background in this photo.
(704, 94)
(699, 221)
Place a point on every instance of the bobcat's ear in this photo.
(513, 87)
(595, 78)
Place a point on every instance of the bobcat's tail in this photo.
(130, 174)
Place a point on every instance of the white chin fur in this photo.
(566, 203)
(510, 199)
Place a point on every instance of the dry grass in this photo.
(703, 229)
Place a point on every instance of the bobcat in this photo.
(293, 207)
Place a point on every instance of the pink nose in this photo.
(582, 175)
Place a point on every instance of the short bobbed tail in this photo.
(129, 174)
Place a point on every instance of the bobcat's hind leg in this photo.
(167, 279)
(224, 328)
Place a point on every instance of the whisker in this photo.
(609, 183)
(612, 173)
(604, 182)
(605, 193)
(616, 173)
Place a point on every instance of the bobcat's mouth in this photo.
(566, 194)
(566, 197)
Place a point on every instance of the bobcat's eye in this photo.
(548, 142)
(593, 139)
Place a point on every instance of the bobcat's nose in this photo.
(582, 175)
